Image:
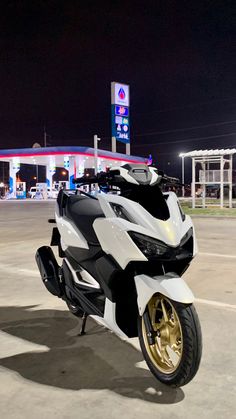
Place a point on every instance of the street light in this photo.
(182, 156)
(96, 139)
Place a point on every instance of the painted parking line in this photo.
(15, 269)
(216, 304)
(14, 345)
(32, 272)
(220, 255)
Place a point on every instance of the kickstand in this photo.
(82, 330)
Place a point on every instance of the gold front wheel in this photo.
(170, 339)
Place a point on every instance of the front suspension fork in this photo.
(151, 334)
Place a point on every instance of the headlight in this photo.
(149, 246)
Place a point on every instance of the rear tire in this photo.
(174, 355)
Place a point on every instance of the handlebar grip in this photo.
(99, 178)
(86, 180)
(169, 179)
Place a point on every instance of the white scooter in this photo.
(123, 257)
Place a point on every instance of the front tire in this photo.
(173, 353)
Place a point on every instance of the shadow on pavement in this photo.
(98, 360)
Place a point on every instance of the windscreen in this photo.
(151, 198)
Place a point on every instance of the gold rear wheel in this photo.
(170, 339)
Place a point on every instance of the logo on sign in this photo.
(123, 136)
(121, 94)
(118, 120)
(121, 110)
(122, 131)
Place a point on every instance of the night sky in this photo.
(58, 59)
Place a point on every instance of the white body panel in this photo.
(71, 236)
(112, 231)
(171, 286)
(115, 241)
(109, 319)
(88, 280)
(124, 173)
(154, 175)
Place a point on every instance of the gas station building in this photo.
(74, 159)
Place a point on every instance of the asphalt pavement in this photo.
(47, 370)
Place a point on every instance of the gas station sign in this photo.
(120, 112)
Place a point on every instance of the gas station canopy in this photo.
(41, 156)
(74, 159)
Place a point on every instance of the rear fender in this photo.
(170, 285)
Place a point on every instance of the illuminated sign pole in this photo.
(120, 115)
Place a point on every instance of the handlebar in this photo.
(85, 180)
(104, 178)
(172, 180)
(101, 177)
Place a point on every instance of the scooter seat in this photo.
(83, 210)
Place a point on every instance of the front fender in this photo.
(170, 285)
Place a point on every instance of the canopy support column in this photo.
(14, 167)
(72, 171)
(230, 181)
(193, 182)
(221, 181)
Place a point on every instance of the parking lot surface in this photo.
(47, 370)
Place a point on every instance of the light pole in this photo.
(3, 174)
(45, 137)
(182, 157)
(96, 139)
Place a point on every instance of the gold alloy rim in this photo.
(166, 352)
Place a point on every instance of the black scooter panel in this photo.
(107, 274)
(83, 211)
(49, 270)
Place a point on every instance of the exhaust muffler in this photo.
(49, 270)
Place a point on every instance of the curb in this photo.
(216, 217)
